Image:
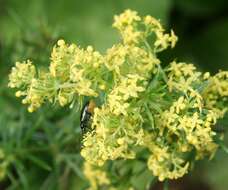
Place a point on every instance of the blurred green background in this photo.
(29, 29)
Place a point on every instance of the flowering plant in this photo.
(162, 119)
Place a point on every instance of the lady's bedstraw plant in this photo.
(163, 116)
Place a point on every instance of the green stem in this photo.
(166, 185)
(150, 115)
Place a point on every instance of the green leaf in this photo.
(143, 180)
(224, 148)
(75, 168)
(150, 116)
(39, 162)
(71, 161)
(21, 173)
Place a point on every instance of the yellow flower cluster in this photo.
(120, 57)
(191, 126)
(121, 93)
(181, 76)
(96, 176)
(166, 164)
(72, 72)
(22, 74)
(114, 142)
(127, 23)
(216, 93)
(35, 90)
(135, 30)
(165, 116)
(205, 89)
(163, 40)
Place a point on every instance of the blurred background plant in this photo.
(33, 151)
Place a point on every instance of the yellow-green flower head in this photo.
(215, 95)
(127, 24)
(128, 88)
(193, 127)
(61, 59)
(22, 74)
(128, 17)
(165, 115)
(111, 137)
(166, 164)
(96, 176)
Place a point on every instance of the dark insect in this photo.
(86, 114)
